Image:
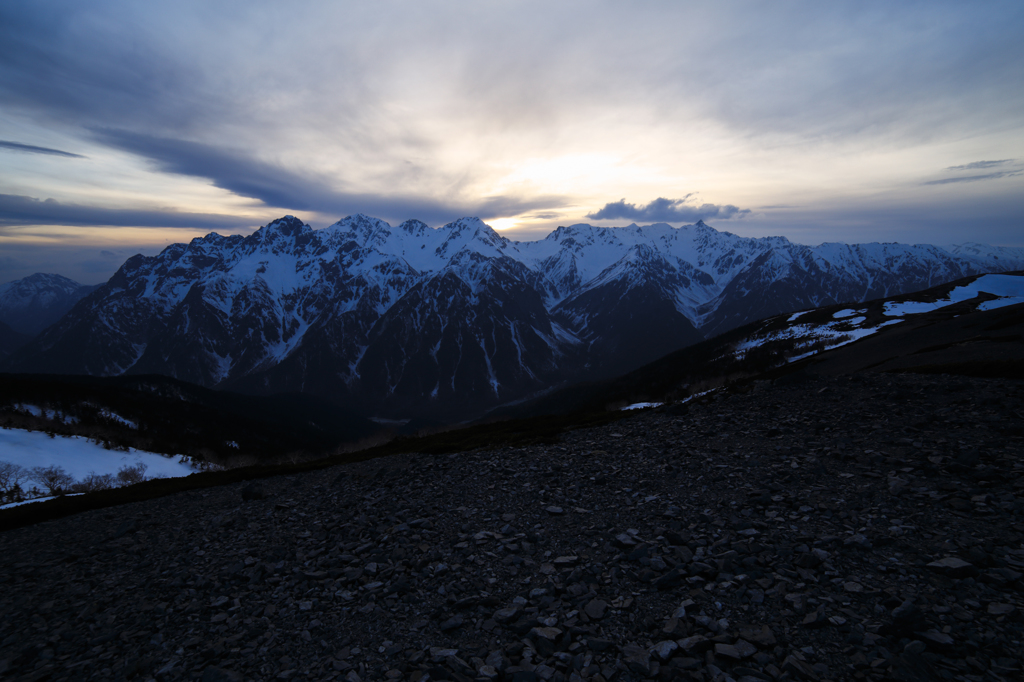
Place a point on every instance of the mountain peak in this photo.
(288, 225)
(414, 227)
(50, 279)
(30, 304)
(464, 230)
(466, 223)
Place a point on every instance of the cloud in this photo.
(974, 178)
(21, 210)
(303, 109)
(978, 165)
(277, 186)
(32, 149)
(666, 210)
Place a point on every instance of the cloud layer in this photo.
(22, 210)
(531, 111)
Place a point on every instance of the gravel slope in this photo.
(811, 529)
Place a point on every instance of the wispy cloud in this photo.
(666, 210)
(974, 178)
(978, 165)
(278, 186)
(32, 149)
(21, 210)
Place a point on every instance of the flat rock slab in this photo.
(953, 567)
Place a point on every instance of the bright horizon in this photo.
(125, 127)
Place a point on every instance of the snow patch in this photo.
(113, 416)
(34, 410)
(36, 499)
(846, 313)
(1000, 303)
(697, 395)
(641, 406)
(80, 457)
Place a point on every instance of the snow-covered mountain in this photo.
(32, 304)
(413, 320)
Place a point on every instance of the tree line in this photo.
(15, 481)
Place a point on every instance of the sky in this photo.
(128, 126)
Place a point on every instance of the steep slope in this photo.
(628, 315)
(33, 303)
(458, 339)
(794, 277)
(410, 320)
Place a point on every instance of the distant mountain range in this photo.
(447, 322)
(30, 305)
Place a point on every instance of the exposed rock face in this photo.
(756, 536)
(411, 321)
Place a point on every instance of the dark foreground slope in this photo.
(814, 528)
(160, 414)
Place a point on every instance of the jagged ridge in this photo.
(412, 320)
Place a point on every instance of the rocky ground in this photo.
(859, 528)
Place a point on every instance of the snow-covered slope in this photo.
(33, 303)
(811, 336)
(408, 319)
(80, 457)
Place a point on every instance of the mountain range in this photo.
(413, 321)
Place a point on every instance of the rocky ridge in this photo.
(861, 528)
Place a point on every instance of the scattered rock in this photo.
(595, 609)
(698, 550)
(253, 491)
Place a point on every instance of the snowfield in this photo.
(80, 457)
(1009, 288)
